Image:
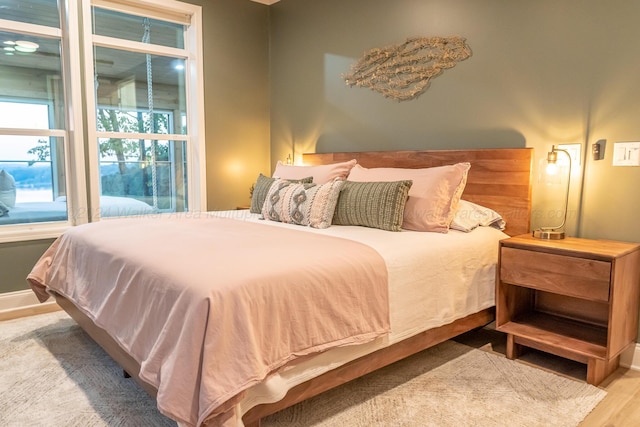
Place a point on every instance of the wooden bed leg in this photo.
(125, 374)
(514, 349)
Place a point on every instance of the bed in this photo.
(396, 314)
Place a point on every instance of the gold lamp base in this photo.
(548, 234)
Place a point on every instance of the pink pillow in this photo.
(321, 173)
(433, 197)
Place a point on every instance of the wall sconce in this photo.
(552, 169)
(289, 160)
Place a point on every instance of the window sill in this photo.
(24, 232)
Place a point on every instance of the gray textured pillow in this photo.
(4, 210)
(372, 204)
(261, 188)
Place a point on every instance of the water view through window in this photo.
(27, 158)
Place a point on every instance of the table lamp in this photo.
(552, 168)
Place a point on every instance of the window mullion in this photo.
(147, 8)
(195, 112)
(30, 29)
(33, 132)
(133, 135)
(76, 176)
(90, 146)
(133, 46)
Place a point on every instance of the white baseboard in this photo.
(23, 303)
(630, 358)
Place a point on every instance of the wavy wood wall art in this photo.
(403, 72)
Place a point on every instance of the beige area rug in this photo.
(52, 374)
(449, 385)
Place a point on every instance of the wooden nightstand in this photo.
(575, 298)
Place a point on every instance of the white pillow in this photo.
(4, 209)
(470, 215)
(7, 189)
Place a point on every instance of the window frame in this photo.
(171, 11)
(73, 158)
(80, 137)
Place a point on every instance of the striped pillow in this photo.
(302, 204)
(372, 204)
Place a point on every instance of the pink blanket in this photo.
(211, 306)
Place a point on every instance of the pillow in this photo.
(7, 189)
(372, 204)
(261, 188)
(123, 206)
(321, 173)
(4, 210)
(302, 204)
(470, 216)
(433, 197)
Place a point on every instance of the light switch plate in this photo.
(626, 154)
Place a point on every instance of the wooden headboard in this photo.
(499, 178)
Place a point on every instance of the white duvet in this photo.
(434, 279)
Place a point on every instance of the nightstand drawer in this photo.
(577, 277)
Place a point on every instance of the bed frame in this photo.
(499, 179)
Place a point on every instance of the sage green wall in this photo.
(542, 72)
(236, 58)
(16, 261)
(236, 93)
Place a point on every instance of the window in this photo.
(33, 117)
(28, 158)
(152, 171)
(126, 140)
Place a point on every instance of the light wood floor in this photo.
(621, 406)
